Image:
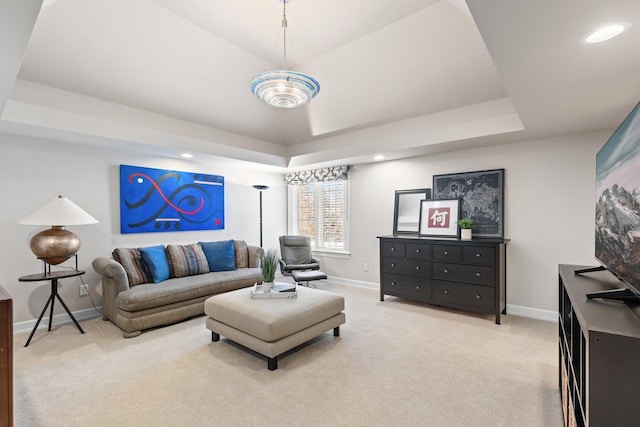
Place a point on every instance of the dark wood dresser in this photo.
(6, 359)
(599, 350)
(464, 274)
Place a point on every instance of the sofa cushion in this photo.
(242, 254)
(155, 258)
(220, 255)
(176, 290)
(131, 260)
(187, 260)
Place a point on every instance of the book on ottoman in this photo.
(279, 290)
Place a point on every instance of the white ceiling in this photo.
(400, 78)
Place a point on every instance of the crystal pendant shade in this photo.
(284, 88)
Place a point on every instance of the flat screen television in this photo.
(617, 231)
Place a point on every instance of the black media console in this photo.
(599, 343)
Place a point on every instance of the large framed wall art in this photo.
(157, 200)
(481, 195)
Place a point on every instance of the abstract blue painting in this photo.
(157, 200)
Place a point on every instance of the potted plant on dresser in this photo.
(268, 264)
(466, 225)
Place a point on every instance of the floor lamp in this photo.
(261, 188)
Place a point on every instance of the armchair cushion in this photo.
(295, 249)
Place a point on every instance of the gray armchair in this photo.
(295, 252)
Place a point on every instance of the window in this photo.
(319, 210)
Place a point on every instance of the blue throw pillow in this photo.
(155, 258)
(221, 256)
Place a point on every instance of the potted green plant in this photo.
(269, 265)
(466, 224)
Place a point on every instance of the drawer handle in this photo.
(417, 251)
(393, 283)
(478, 255)
(393, 264)
(446, 252)
(477, 296)
(393, 249)
(478, 274)
(418, 287)
(446, 291)
(445, 271)
(417, 267)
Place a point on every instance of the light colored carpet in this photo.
(396, 363)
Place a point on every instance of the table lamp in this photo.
(56, 245)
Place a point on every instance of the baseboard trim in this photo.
(58, 319)
(533, 313)
(350, 282)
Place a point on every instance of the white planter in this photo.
(266, 287)
(465, 234)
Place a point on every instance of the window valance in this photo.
(335, 173)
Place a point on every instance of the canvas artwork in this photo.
(157, 200)
(481, 196)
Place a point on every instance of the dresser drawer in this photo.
(408, 287)
(407, 267)
(463, 295)
(464, 273)
(393, 250)
(447, 253)
(479, 255)
(419, 252)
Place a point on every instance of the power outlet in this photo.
(365, 266)
(83, 291)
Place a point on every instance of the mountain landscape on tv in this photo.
(618, 231)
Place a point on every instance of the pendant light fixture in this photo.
(284, 88)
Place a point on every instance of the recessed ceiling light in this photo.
(378, 157)
(187, 155)
(606, 32)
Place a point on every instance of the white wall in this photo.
(33, 171)
(549, 209)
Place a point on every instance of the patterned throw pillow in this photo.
(131, 260)
(220, 255)
(155, 258)
(242, 254)
(187, 260)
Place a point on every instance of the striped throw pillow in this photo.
(242, 254)
(187, 260)
(131, 260)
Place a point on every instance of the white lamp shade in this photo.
(60, 211)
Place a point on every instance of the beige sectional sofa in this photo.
(134, 308)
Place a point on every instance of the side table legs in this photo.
(51, 300)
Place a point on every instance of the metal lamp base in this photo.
(55, 245)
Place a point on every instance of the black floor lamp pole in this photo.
(260, 188)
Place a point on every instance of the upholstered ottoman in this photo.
(273, 326)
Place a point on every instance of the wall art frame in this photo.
(481, 195)
(158, 200)
(439, 217)
(406, 210)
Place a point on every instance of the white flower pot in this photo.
(465, 234)
(266, 287)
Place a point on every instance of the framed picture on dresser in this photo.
(439, 217)
(481, 195)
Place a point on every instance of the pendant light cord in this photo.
(284, 31)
